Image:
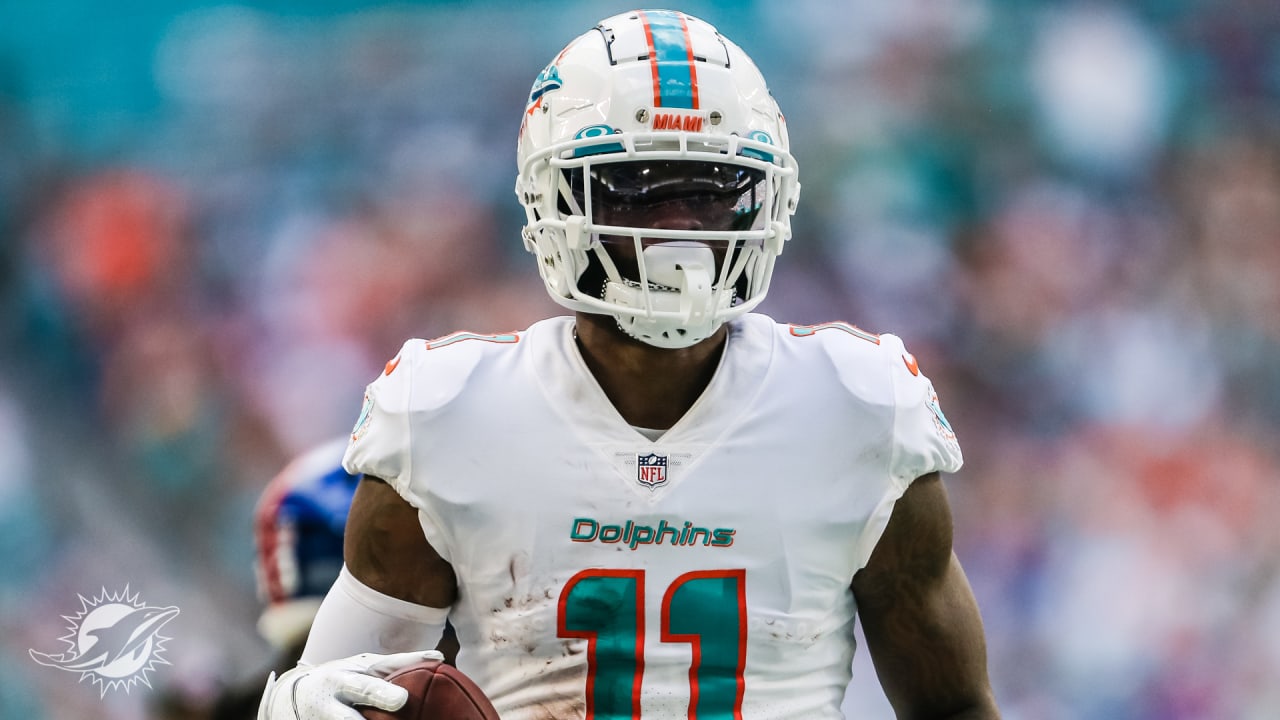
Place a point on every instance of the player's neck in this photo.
(650, 387)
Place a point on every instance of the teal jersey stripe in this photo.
(674, 78)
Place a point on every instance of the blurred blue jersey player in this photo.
(298, 530)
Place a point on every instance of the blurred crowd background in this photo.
(217, 222)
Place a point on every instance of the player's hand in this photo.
(329, 690)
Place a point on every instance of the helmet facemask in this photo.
(671, 239)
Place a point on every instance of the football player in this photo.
(664, 505)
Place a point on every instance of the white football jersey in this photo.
(704, 574)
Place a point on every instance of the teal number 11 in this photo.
(705, 608)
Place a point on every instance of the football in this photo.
(437, 691)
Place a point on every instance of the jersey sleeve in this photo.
(396, 421)
(923, 440)
(380, 441)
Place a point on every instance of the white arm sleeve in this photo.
(354, 618)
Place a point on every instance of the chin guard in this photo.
(676, 285)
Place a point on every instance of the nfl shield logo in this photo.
(651, 470)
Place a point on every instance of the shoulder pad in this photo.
(424, 377)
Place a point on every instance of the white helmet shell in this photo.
(654, 85)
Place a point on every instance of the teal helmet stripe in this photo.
(675, 81)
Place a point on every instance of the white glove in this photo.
(328, 690)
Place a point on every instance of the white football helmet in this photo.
(655, 176)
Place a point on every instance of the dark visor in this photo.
(724, 196)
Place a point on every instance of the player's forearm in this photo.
(356, 619)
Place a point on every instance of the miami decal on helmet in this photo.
(683, 123)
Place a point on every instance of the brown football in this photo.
(436, 692)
